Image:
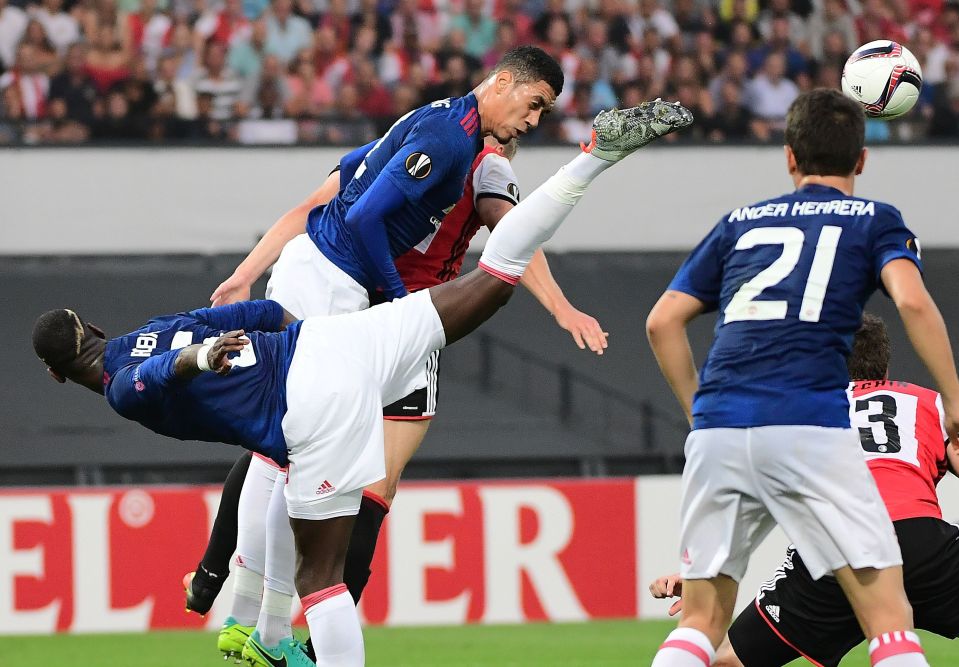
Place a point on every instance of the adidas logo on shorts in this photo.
(773, 610)
(325, 488)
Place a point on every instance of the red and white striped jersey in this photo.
(904, 440)
(439, 257)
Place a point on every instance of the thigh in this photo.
(816, 484)
(721, 519)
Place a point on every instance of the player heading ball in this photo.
(771, 440)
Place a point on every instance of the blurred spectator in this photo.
(228, 26)
(578, 123)
(770, 93)
(455, 81)
(877, 22)
(735, 72)
(832, 17)
(945, 116)
(596, 48)
(506, 39)
(370, 17)
(338, 20)
(115, 122)
(106, 60)
(780, 9)
(309, 94)
(147, 32)
(779, 42)
(408, 18)
(601, 95)
(44, 53)
(61, 129)
(30, 82)
(732, 119)
(74, 87)
(555, 10)
(139, 92)
(272, 73)
(176, 95)
(332, 65)
(246, 54)
(13, 22)
(375, 100)
(513, 13)
(218, 82)
(61, 28)
(183, 51)
(286, 33)
(651, 14)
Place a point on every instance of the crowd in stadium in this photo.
(340, 71)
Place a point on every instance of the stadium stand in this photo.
(339, 71)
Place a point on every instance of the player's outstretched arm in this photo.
(259, 315)
(927, 333)
(666, 331)
(265, 253)
(538, 279)
(193, 360)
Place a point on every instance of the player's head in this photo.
(522, 87)
(825, 134)
(869, 359)
(71, 348)
(507, 150)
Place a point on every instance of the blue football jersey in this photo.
(427, 155)
(789, 277)
(244, 407)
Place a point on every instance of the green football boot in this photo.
(232, 638)
(288, 653)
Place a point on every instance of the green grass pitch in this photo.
(596, 644)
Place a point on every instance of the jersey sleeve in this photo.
(893, 240)
(350, 162)
(426, 159)
(263, 315)
(135, 386)
(701, 274)
(494, 177)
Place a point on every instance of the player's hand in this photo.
(230, 291)
(228, 343)
(585, 329)
(668, 587)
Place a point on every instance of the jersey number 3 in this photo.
(744, 306)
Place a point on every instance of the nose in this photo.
(533, 117)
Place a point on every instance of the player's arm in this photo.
(290, 225)
(666, 331)
(261, 315)
(136, 384)
(366, 220)
(694, 290)
(538, 279)
(927, 333)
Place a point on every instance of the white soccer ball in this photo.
(884, 77)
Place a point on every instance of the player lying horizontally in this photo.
(312, 395)
(900, 427)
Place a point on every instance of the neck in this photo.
(842, 183)
(482, 93)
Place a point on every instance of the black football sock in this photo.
(222, 543)
(366, 530)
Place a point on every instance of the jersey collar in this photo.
(819, 188)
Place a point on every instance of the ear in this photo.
(861, 162)
(790, 160)
(97, 330)
(56, 376)
(504, 78)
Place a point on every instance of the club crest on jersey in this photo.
(419, 165)
(513, 191)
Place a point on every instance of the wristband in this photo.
(203, 358)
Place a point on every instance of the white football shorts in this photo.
(307, 284)
(344, 370)
(813, 481)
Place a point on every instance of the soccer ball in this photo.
(884, 77)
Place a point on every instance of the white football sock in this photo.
(334, 627)
(534, 220)
(247, 595)
(274, 621)
(685, 647)
(897, 649)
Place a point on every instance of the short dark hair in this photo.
(531, 63)
(58, 337)
(826, 132)
(869, 359)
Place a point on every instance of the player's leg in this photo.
(401, 439)
(838, 522)
(720, 524)
(250, 556)
(467, 302)
(273, 624)
(203, 585)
